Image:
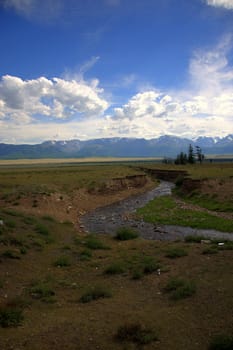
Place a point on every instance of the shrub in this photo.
(150, 265)
(93, 242)
(115, 268)
(62, 261)
(42, 291)
(126, 233)
(194, 238)
(43, 230)
(210, 250)
(85, 254)
(10, 317)
(135, 333)
(95, 293)
(9, 254)
(221, 342)
(137, 274)
(180, 288)
(176, 252)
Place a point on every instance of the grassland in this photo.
(63, 289)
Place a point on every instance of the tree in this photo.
(191, 156)
(200, 156)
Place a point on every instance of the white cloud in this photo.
(205, 107)
(42, 10)
(228, 4)
(53, 98)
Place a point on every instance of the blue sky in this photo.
(115, 68)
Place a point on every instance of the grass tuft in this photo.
(95, 293)
(126, 233)
(180, 288)
(136, 333)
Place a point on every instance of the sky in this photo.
(86, 69)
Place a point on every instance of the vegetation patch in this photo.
(164, 211)
(43, 292)
(180, 288)
(126, 233)
(221, 342)
(176, 252)
(10, 317)
(92, 242)
(95, 293)
(62, 261)
(115, 268)
(136, 333)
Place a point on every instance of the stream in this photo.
(109, 218)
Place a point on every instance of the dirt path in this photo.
(109, 218)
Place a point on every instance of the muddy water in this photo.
(109, 218)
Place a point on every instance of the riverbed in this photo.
(121, 214)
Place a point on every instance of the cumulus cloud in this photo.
(53, 98)
(228, 4)
(204, 108)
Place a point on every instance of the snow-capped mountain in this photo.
(164, 146)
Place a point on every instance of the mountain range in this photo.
(164, 146)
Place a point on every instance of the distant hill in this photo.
(164, 146)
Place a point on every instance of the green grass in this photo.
(62, 261)
(11, 317)
(95, 293)
(42, 291)
(164, 210)
(92, 242)
(180, 288)
(116, 268)
(126, 233)
(176, 252)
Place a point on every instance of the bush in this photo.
(115, 268)
(176, 252)
(95, 293)
(126, 233)
(42, 292)
(222, 342)
(210, 250)
(10, 317)
(136, 333)
(62, 261)
(180, 288)
(194, 239)
(43, 230)
(93, 242)
(150, 265)
(85, 254)
(9, 254)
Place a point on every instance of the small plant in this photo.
(126, 233)
(42, 291)
(135, 333)
(93, 242)
(150, 265)
(180, 288)
(221, 342)
(9, 254)
(86, 254)
(176, 252)
(43, 230)
(62, 261)
(10, 317)
(210, 250)
(194, 239)
(95, 293)
(115, 268)
(48, 218)
(137, 274)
